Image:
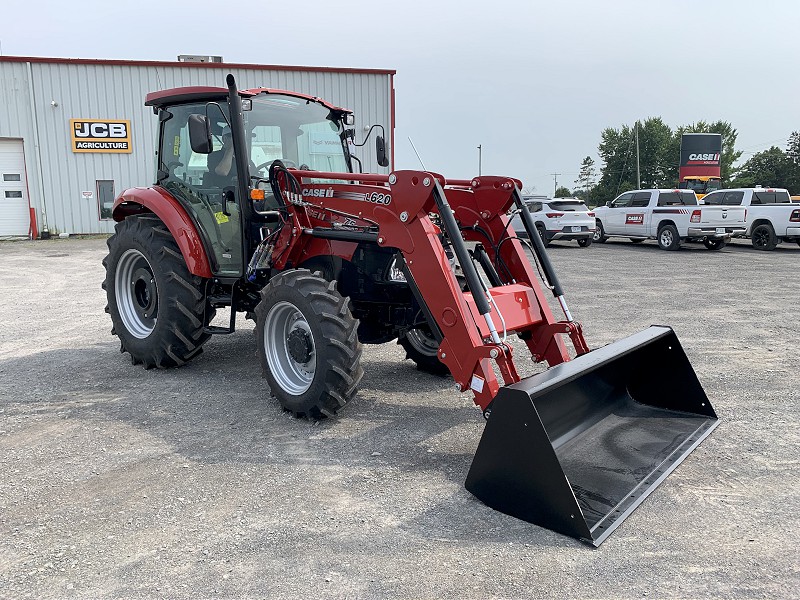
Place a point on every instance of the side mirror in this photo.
(609, 203)
(380, 147)
(199, 134)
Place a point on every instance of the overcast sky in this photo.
(533, 83)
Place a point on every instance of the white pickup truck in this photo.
(771, 216)
(668, 216)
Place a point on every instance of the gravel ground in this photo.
(125, 483)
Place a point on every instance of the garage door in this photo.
(14, 207)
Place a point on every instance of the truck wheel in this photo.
(157, 307)
(308, 344)
(423, 349)
(543, 234)
(763, 237)
(668, 238)
(585, 242)
(714, 244)
(599, 233)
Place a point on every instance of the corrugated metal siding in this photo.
(101, 91)
(16, 121)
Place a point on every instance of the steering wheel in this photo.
(287, 163)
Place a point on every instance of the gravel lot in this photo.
(186, 483)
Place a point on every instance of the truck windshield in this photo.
(302, 134)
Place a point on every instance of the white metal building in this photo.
(50, 182)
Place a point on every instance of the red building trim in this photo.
(197, 65)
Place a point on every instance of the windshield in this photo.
(303, 134)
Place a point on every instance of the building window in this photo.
(11, 177)
(105, 198)
(14, 194)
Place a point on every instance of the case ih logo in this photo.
(100, 135)
(318, 193)
(634, 220)
(703, 159)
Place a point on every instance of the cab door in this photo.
(210, 199)
(615, 220)
(636, 216)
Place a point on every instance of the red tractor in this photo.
(257, 207)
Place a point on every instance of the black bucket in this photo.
(578, 447)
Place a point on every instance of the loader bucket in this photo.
(578, 447)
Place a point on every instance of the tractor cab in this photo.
(202, 151)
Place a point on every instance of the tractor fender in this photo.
(139, 200)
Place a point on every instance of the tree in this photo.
(586, 179)
(793, 148)
(563, 192)
(773, 168)
(657, 158)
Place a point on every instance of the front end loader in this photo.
(326, 260)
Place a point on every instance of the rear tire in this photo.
(668, 238)
(423, 349)
(714, 244)
(308, 344)
(543, 234)
(157, 307)
(763, 237)
(585, 242)
(599, 233)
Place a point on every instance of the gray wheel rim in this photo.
(293, 377)
(596, 235)
(422, 342)
(136, 293)
(666, 237)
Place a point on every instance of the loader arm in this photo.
(400, 205)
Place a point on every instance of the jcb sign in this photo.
(99, 135)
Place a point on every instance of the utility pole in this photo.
(479, 160)
(555, 183)
(638, 174)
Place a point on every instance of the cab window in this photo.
(640, 199)
(623, 201)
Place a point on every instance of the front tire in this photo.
(763, 237)
(423, 349)
(157, 306)
(714, 244)
(308, 344)
(668, 238)
(585, 242)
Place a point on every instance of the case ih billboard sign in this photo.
(700, 155)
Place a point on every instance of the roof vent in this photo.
(199, 58)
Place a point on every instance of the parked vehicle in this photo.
(669, 216)
(558, 219)
(326, 261)
(772, 217)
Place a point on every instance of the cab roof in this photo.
(199, 93)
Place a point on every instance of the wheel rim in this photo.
(598, 233)
(666, 237)
(136, 292)
(289, 348)
(423, 342)
(760, 237)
